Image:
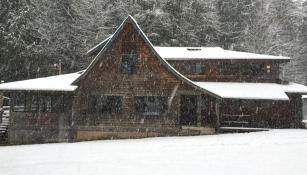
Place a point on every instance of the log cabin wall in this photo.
(229, 70)
(33, 124)
(150, 78)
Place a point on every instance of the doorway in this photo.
(188, 110)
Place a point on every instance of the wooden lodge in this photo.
(133, 89)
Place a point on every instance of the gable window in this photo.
(105, 104)
(150, 105)
(129, 59)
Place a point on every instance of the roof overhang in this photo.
(58, 83)
(253, 91)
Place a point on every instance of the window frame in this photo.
(44, 103)
(104, 106)
(160, 103)
(199, 68)
(130, 58)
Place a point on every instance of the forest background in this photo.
(36, 34)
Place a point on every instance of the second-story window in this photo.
(230, 69)
(199, 68)
(129, 59)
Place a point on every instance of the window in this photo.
(105, 104)
(230, 69)
(20, 101)
(151, 105)
(268, 69)
(199, 68)
(257, 69)
(129, 59)
(245, 69)
(57, 104)
(27, 102)
(33, 103)
(45, 104)
(6, 101)
(265, 104)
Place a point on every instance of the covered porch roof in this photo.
(52, 83)
(226, 90)
(255, 91)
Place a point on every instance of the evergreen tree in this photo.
(18, 39)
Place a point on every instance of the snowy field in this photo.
(278, 152)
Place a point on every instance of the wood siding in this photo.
(213, 70)
(151, 79)
(40, 127)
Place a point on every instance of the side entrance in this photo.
(188, 110)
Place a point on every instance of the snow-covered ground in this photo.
(280, 152)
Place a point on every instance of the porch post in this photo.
(11, 132)
(218, 112)
(198, 112)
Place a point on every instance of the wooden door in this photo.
(188, 110)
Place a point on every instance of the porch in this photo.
(198, 113)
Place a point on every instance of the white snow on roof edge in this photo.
(52, 83)
(210, 53)
(253, 91)
(99, 45)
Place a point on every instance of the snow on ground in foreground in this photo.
(281, 152)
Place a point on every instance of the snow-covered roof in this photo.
(99, 46)
(52, 83)
(261, 91)
(191, 53)
(149, 44)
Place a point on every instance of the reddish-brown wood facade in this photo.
(37, 126)
(152, 79)
(223, 70)
(190, 110)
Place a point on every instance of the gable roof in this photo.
(99, 46)
(131, 20)
(199, 53)
(52, 83)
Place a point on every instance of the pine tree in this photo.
(18, 39)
